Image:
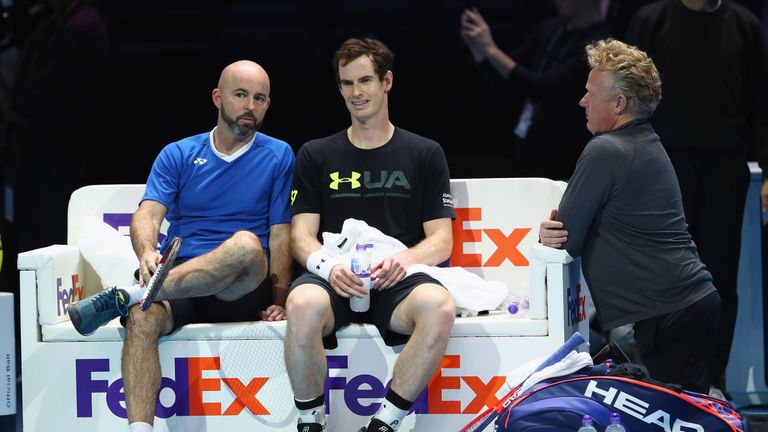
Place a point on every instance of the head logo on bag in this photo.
(559, 404)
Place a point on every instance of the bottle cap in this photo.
(586, 420)
(615, 417)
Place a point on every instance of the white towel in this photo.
(469, 291)
(571, 363)
(108, 252)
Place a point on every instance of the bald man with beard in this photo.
(226, 193)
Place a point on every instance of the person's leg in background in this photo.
(675, 347)
(714, 188)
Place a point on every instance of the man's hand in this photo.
(148, 265)
(390, 271)
(346, 283)
(273, 313)
(476, 33)
(552, 233)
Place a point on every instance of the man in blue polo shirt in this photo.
(226, 193)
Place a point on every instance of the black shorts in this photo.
(383, 304)
(210, 309)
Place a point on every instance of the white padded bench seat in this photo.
(73, 382)
(497, 323)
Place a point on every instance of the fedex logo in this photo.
(358, 389)
(188, 387)
(577, 305)
(66, 296)
(122, 223)
(506, 244)
(639, 409)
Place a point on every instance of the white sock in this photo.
(139, 427)
(135, 293)
(312, 415)
(390, 414)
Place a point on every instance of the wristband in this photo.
(320, 263)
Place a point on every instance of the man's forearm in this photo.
(436, 247)
(144, 232)
(280, 262)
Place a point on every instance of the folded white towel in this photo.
(571, 363)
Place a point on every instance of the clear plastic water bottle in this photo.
(361, 267)
(615, 425)
(586, 424)
(516, 306)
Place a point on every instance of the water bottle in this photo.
(516, 306)
(512, 305)
(586, 424)
(361, 267)
(615, 425)
(524, 307)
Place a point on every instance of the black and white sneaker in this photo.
(377, 425)
(311, 427)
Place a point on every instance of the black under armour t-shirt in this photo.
(395, 188)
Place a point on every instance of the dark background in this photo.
(165, 58)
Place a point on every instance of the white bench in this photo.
(231, 376)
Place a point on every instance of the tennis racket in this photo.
(486, 417)
(161, 272)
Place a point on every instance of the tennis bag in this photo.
(559, 404)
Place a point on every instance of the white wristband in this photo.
(320, 263)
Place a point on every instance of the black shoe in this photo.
(377, 425)
(311, 427)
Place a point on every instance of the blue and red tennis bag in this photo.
(558, 404)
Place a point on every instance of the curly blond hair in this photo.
(634, 74)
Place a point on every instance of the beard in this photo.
(237, 129)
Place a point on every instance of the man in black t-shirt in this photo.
(395, 181)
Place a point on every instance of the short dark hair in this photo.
(352, 48)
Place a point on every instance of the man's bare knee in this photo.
(250, 254)
(308, 308)
(436, 312)
(151, 324)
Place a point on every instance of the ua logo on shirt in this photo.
(336, 180)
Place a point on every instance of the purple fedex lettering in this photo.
(431, 400)
(359, 387)
(63, 298)
(123, 220)
(66, 296)
(180, 389)
(115, 394)
(86, 386)
(577, 305)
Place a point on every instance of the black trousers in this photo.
(714, 188)
(675, 347)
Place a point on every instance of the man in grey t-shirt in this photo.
(622, 213)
